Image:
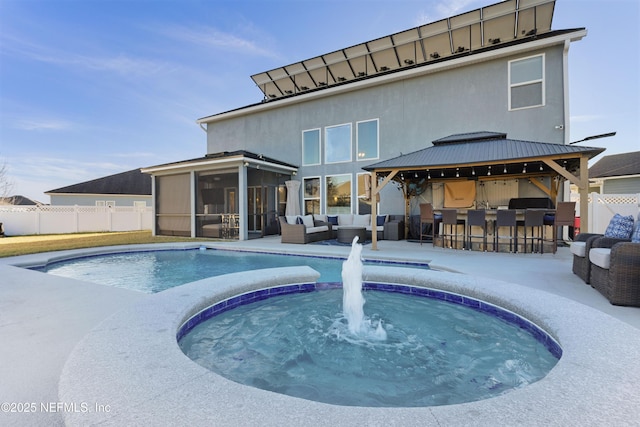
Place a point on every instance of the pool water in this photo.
(155, 271)
(436, 352)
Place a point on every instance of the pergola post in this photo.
(375, 190)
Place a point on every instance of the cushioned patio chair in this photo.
(620, 227)
(615, 270)
(580, 249)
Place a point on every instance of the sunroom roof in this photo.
(458, 35)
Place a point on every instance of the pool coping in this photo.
(129, 370)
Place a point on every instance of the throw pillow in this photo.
(635, 237)
(620, 227)
(299, 220)
(333, 220)
(380, 220)
(307, 220)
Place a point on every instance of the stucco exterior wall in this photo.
(411, 113)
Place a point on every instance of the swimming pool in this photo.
(155, 271)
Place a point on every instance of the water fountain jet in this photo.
(352, 298)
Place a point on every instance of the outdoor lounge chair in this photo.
(615, 270)
(580, 249)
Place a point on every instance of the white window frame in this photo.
(305, 198)
(541, 80)
(326, 206)
(326, 143)
(377, 140)
(319, 131)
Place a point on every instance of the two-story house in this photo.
(501, 68)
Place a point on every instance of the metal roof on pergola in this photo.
(466, 33)
(490, 156)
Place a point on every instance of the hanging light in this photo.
(415, 175)
(540, 166)
(524, 168)
(457, 172)
(489, 171)
(442, 172)
(473, 171)
(505, 169)
(428, 174)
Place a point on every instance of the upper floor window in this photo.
(526, 82)
(367, 139)
(311, 147)
(337, 143)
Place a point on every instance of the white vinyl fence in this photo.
(27, 220)
(602, 207)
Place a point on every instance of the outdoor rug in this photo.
(334, 242)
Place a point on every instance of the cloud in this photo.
(43, 125)
(213, 38)
(120, 64)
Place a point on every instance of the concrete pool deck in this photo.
(44, 317)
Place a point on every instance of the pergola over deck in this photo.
(489, 156)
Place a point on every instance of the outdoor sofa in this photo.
(388, 227)
(303, 229)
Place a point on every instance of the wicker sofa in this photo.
(309, 230)
(615, 270)
(388, 227)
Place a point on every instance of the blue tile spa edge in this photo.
(493, 310)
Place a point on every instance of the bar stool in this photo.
(427, 217)
(506, 218)
(534, 221)
(476, 218)
(565, 215)
(450, 220)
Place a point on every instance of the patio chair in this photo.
(620, 228)
(534, 221)
(427, 217)
(450, 223)
(580, 248)
(505, 218)
(476, 218)
(615, 270)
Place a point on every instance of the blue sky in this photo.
(89, 88)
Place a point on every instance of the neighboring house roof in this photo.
(18, 200)
(132, 182)
(478, 148)
(616, 165)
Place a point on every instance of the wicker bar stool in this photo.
(534, 221)
(505, 218)
(450, 223)
(427, 217)
(476, 218)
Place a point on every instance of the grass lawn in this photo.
(23, 245)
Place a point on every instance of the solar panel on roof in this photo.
(488, 26)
